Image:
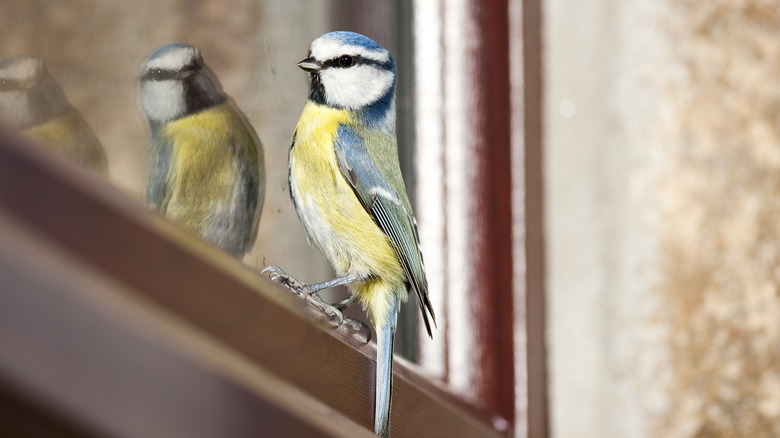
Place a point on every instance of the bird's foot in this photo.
(278, 276)
(353, 325)
(356, 327)
(309, 294)
(303, 290)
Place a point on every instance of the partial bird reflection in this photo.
(32, 102)
(207, 170)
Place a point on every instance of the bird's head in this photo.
(175, 82)
(349, 70)
(28, 95)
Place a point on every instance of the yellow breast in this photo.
(331, 212)
(203, 166)
(334, 218)
(70, 135)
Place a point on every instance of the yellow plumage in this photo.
(70, 135)
(207, 149)
(335, 219)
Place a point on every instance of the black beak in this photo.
(310, 65)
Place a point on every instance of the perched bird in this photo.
(206, 170)
(347, 187)
(32, 102)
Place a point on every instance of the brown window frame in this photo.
(480, 136)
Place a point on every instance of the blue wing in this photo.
(381, 191)
(158, 171)
(251, 170)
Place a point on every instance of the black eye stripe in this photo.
(161, 74)
(10, 85)
(335, 62)
(356, 60)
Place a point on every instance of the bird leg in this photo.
(354, 325)
(316, 287)
(308, 291)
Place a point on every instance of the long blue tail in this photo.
(384, 371)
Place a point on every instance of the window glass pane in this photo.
(94, 51)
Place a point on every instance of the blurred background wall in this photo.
(719, 234)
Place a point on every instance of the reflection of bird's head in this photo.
(349, 70)
(175, 82)
(28, 95)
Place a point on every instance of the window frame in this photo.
(480, 193)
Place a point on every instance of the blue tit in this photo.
(32, 102)
(346, 184)
(206, 169)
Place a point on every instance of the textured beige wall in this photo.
(719, 293)
(94, 49)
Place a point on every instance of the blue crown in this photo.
(354, 39)
(170, 47)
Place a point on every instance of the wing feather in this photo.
(388, 206)
(156, 188)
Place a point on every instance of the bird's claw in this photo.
(309, 294)
(330, 311)
(278, 276)
(356, 326)
(303, 290)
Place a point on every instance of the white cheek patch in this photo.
(14, 108)
(162, 100)
(355, 87)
